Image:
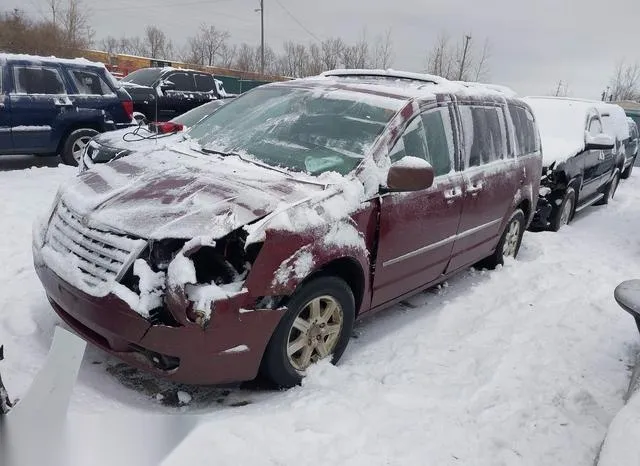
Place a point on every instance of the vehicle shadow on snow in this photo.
(22, 162)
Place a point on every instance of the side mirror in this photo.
(600, 142)
(167, 86)
(409, 174)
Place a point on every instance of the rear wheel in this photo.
(610, 189)
(316, 326)
(509, 243)
(564, 214)
(73, 147)
(627, 172)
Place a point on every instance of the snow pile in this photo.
(297, 267)
(621, 445)
(562, 124)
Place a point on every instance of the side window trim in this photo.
(190, 75)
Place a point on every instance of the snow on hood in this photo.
(144, 140)
(562, 124)
(172, 194)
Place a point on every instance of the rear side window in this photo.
(38, 80)
(183, 81)
(526, 136)
(90, 83)
(205, 83)
(484, 134)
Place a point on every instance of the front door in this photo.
(417, 229)
(38, 99)
(6, 145)
(592, 163)
(180, 99)
(491, 179)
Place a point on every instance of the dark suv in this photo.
(51, 106)
(160, 94)
(287, 214)
(581, 164)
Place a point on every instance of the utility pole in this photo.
(559, 86)
(467, 39)
(262, 36)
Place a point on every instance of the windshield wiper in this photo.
(218, 152)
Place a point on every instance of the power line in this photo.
(297, 21)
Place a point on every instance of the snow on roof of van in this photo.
(614, 120)
(507, 91)
(406, 85)
(562, 123)
(44, 60)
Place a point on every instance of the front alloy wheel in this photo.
(565, 215)
(316, 326)
(315, 332)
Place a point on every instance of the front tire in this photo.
(317, 325)
(564, 214)
(509, 244)
(73, 147)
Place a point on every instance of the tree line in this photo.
(65, 30)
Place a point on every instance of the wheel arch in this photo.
(74, 127)
(347, 269)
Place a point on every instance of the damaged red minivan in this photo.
(253, 245)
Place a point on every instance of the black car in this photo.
(631, 146)
(580, 164)
(117, 144)
(160, 94)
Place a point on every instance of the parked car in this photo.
(160, 94)
(580, 167)
(632, 110)
(51, 106)
(285, 215)
(116, 144)
(631, 147)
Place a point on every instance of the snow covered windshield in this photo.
(143, 77)
(312, 131)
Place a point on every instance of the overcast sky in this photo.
(535, 43)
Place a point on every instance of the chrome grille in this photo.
(101, 256)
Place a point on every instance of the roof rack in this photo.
(364, 73)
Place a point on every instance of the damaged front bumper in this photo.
(228, 349)
(542, 215)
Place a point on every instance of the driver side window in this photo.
(595, 126)
(429, 137)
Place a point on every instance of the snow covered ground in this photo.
(525, 365)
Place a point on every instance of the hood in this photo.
(113, 142)
(171, 194)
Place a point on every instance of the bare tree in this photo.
(156, 42)
(74, 21)
(383, 55)
(204, 47)
(332, 53)
(295, 60)
(111, 45)
(356, 55)
(227, 55)
(459, 61)
(625, 83)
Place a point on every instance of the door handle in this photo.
(601, 155)
(474, 188)
(452, 194)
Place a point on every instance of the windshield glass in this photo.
(193, 116)
(312, 131)
(143, 77)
